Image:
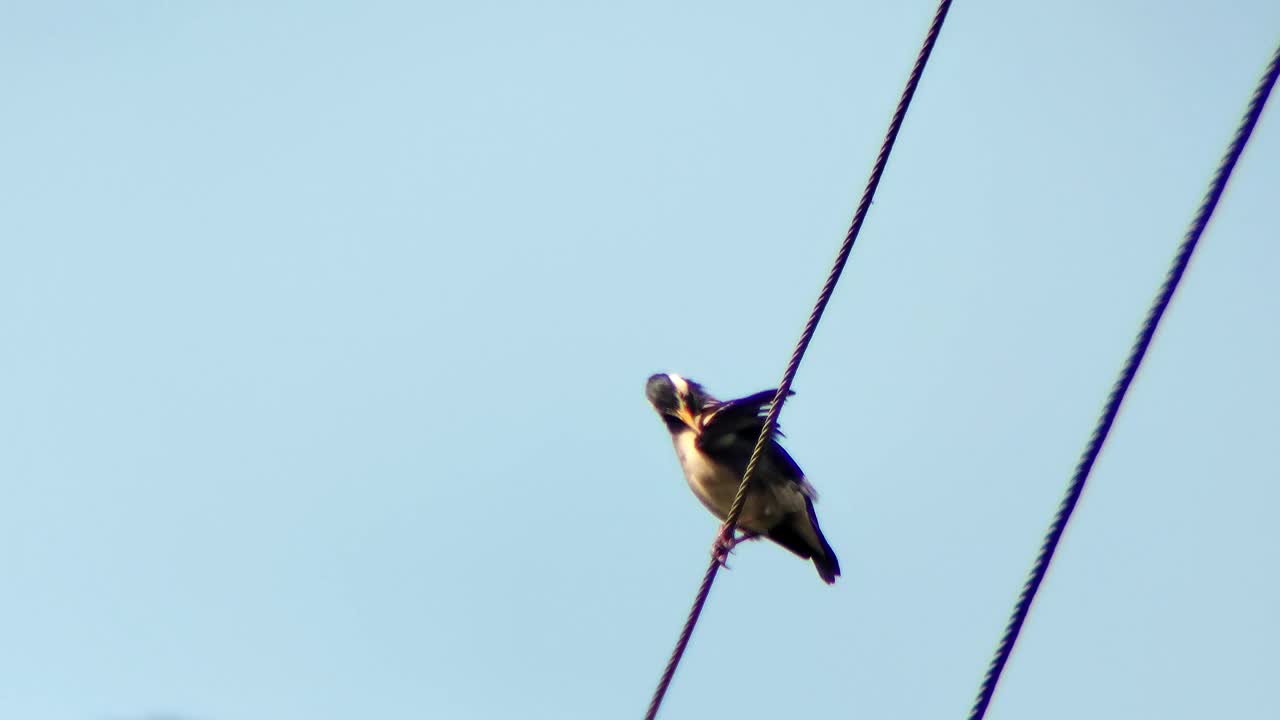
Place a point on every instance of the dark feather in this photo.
(731, 431)
(733, 416)
(788, 535)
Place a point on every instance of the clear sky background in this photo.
(324, 330)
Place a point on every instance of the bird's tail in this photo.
(826, 563)
(824, 558)
(802, 536)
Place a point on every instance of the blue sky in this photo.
(325, 329)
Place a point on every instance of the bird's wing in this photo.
(742, 415)
(730, 432)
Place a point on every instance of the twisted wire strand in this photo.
(1127, 373)
(771, 419)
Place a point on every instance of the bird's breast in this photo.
(716, 486)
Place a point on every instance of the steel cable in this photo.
(1127, 373)
(771, 419)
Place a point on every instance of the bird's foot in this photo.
(726, 542)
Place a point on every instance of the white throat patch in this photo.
(682, 385)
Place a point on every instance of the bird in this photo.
(714, 440)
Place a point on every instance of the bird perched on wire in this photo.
(714, 440)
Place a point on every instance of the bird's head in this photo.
(679, 402)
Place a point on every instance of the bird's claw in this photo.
(726, 542)
(720, 551)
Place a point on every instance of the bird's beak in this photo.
(686, 416)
